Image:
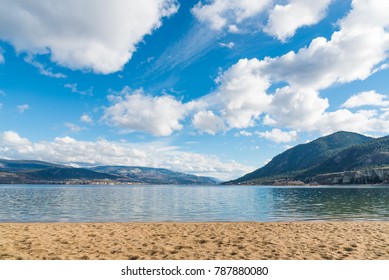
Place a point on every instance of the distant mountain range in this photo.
(39, 172)
(340, 158)
(154, 175)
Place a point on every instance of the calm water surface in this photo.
(144, 203)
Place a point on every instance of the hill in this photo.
(24, 165)
(39, 172)
(336, 153)
(154, 175)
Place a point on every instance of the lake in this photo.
(150, 203)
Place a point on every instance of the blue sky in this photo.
(214, 88)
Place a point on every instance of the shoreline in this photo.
(316, 240)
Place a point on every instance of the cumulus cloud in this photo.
(243, 133)
(359, 122)
(367, 98)
(355, 52)
(67, 150)
(284, 20)
(297, 109)
(22, 108)
(278, 136)
(326, 62)
(86, 119)
(220, 14)
(136, 111)
(241, 96)
(12, 143)
(95, 35)
(208, 122)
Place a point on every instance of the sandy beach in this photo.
(194, 241)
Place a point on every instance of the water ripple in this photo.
(145, 203)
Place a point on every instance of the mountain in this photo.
(333, 154)
(154, 175)
(24, 165)
(372, 154)
(39, 172)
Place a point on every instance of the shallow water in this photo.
(150, 203)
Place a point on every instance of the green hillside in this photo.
(296, 161)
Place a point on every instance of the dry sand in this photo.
(193, 241)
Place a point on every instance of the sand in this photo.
(195, 241)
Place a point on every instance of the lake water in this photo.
(144, 203)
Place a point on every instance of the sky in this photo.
(213, 88)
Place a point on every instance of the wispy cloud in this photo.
(73, 127)
(229, 45)
(22, 108)
(42, 68)
(2, 60)
(74, 89)
(198, 41)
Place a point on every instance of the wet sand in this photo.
(195, 241)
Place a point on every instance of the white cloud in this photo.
(385, 115)
(233, 28)
(11, 143)
(244, 133)
(297, 109)
(368, 113)
(2, 93)
(135, 111)
(74, 89)
(86, 119)
(22, 108)
(220, 14)
(229, 45)
(2, 60)
(241, 96)
(355, 52)
(359, 122)
(67, 150)
(278, 136)
(284, 20)
(208, 122)
(351, 54)
(73, 127)
(194, 44)
(367, 98)
(282, 23)
(97, 35)
(43, 69)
